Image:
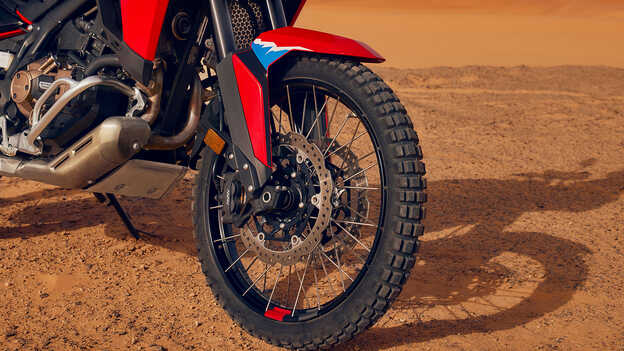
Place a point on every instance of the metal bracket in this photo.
(139, 105)
(6, 147)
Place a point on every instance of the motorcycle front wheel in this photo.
(327, 269)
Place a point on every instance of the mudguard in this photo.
(273, 45)
(244, 80)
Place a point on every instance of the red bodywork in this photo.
(12, 33)
(252, 97)
(290, 39)
(142, 22)
(272, 46)
(23, 18)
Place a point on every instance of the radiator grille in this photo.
(248, 21)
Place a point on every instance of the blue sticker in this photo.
(268, 52)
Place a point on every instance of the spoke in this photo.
(264, 282)
(336, 136)
(349, 222)
(251, 264)
(331, 119)
(337, 265)
(350, 143)
(235, 262)
(358, 173)
(318, 295)
(280, 121)
(359, 214)
(291, 118)
(277, 123)
(301, 285)
(305, 104)
(355, 138)
(227, 238)
(215, 207)
(355, 223)
(362, 259)
(318, 114)
(351, 235)
(357, 187)
(367, 155)
(288, 289)
(257, 279)
(331, 286)
(279, 274)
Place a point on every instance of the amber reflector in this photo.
(214, 141)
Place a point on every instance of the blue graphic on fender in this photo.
(268, 52)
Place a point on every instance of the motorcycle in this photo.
(308, 201)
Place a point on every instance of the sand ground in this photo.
(523, 250)
(430, 33)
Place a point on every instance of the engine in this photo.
(74, 48)
(28, 85)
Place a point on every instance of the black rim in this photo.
(251, 287)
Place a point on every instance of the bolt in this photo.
(315, 200)
(301, 204)
(293, 175)
(282, 225)
(231, 156)
(136, 146)
(294, 240)
(250, 188)
(245, 166)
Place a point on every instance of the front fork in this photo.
(243, 83)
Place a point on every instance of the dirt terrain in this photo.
(524, 244)
(523, 250)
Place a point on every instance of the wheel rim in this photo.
(335, 267)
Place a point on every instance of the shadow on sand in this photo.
(484, 208)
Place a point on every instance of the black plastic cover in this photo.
(8, 21)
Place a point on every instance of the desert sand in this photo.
(430, 33)
(523, 249)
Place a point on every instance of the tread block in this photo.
(411, 212)
(413, 196)
(413, 182)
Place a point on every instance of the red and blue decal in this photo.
(273, 45)
(269, 52)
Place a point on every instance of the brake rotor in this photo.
(307, 155)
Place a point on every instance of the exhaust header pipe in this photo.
(105, 148)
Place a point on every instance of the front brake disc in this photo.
(310, 155)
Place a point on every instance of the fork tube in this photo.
(276, 13)
(222, 28)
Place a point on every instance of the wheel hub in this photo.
(301, 172)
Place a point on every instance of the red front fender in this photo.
(271, 46)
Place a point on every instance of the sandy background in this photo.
(428, 33)
(524, 246)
